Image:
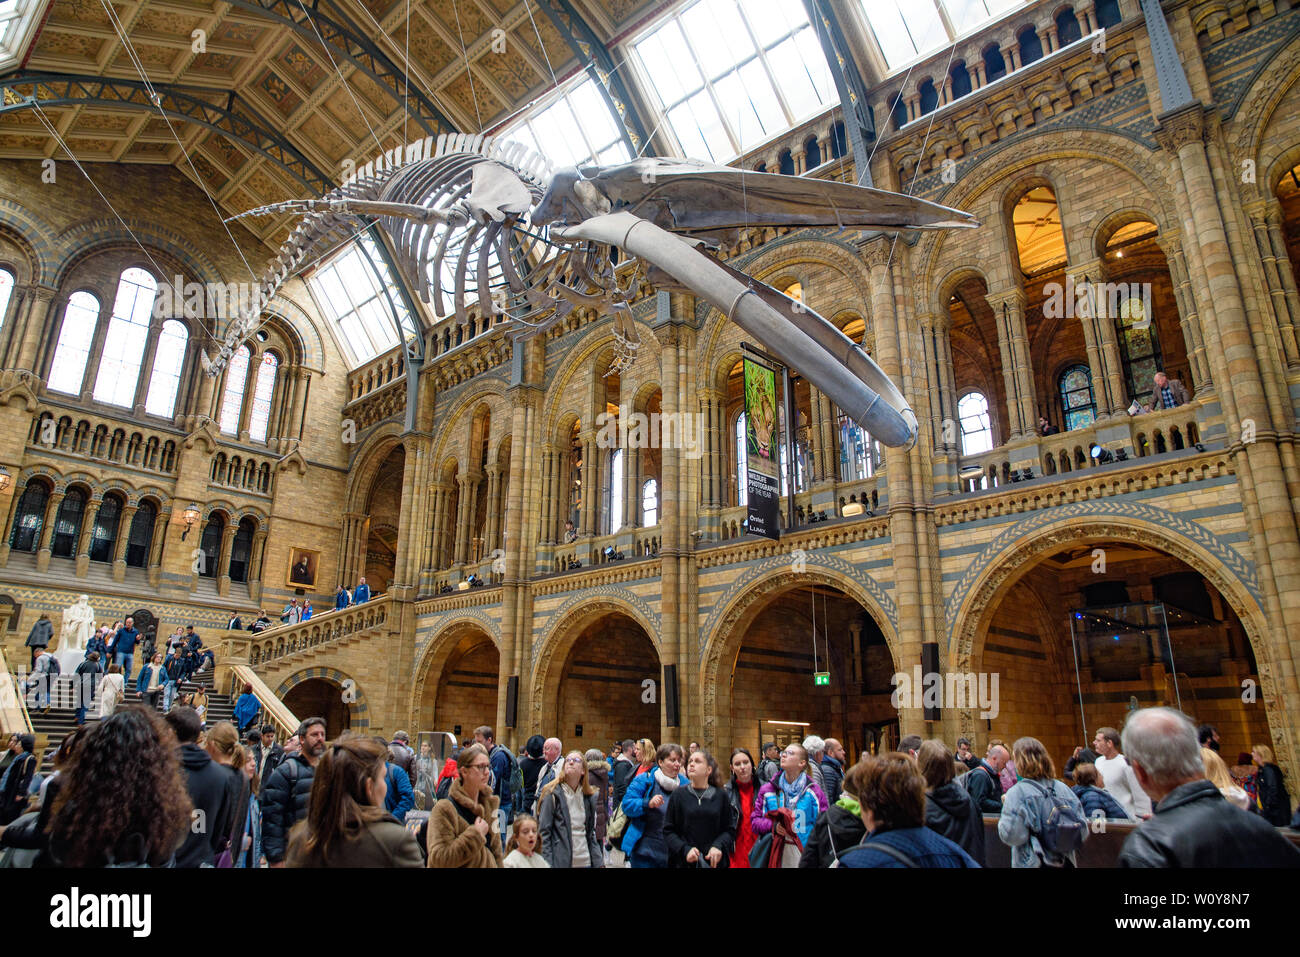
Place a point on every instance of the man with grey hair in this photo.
(815, 747)
(982, 782)
(553, 752)
(1193, 825)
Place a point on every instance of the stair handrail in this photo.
(272, 706)
(333, 624)
(13, 702)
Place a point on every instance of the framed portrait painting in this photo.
(303, 566)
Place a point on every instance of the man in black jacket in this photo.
(210, 793)
(624, 769)
(833, 770)
(18, 777)
(1192, 824)
(982, 782)
(286, 792)
(88, 673)
(266, 752)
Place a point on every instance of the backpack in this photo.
(55, 667)
(1062, 827)
(516, 777)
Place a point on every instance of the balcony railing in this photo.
(330, 626)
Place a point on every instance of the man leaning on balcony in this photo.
(1168, 393)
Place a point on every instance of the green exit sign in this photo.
(821, 677)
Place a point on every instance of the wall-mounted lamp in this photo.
(4, 479)
(191, 516)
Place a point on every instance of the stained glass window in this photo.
(1139, 348)
(1077, 401)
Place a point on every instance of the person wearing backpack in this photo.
(44, 673)
(507, 779)
(1042, 820)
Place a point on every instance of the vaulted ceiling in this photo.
(272, 95)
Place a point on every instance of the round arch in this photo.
(435, 657)
(1002, 563)
(725, 629)
(565, 627)
(369, 459)
(352, 694)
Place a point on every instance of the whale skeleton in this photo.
(489, 218)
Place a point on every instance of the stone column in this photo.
(492, 527)
(47, 530)
(976, 68)
(153, 562)
(1085, 13)
(123, 536)
(37, 328)
(460, 539)
(255, 564)
(223, 558)
(590, 491)
(1018, 377)
(246, 402)
(14, 501)
(1278, 244)
(83, 538)
(1233, 353)
(1265, 216)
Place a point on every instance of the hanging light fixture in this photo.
(191, 516)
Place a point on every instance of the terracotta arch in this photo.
(1000, 566)
(552, 650)
(1116, 221)
(436, 653)
(737, 615)
(353, 696)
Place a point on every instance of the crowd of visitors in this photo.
(186, 795)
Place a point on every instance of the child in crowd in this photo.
(522, 849)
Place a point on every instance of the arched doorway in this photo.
(608, 686)
(1082, 633)
(467, 687)
(796, 634)
(384, 506)
(319, 698)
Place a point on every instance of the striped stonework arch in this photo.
(353, 696)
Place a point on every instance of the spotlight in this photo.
(1121, 455)
(823, 516)
(574, 563)
(1015, 475)
(1027, 474)
(446, 590)
(475, 581)
(1102, 455)
(1199, 447)
(611, 555)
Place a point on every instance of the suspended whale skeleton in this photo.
(467, 212)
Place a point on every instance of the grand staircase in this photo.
(50, 727)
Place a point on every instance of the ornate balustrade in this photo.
(334, 625)
(103, 440)
(236, 469)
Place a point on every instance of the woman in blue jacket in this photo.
(645, 803)
(792, 789)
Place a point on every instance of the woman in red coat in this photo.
(742, 789)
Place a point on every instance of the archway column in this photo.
(82, 552)
(154, 562)
(223, 558)
(1017, 372)
(1265, 218)
(1100, 340)
(14, 501)
(492, 525)
(1266, 490)
(47, 530)
(119, 547)
(255, 564)
(590, 487)
(37, 327)
(460, 541)
(1277, 243)
(1188, 315)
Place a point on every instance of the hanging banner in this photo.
(762, 458)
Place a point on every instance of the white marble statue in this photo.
(78, 626)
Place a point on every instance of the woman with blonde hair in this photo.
(461, 828)
(566, 817)
(221, 741)
(1021, 825)
(644, 752)
(1270, 795)
(346, 824)
(1217, 772)
(111, 691)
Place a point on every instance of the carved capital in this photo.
(876, 251)
(1181, 127)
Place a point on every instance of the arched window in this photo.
(140, 537)
(929, 96)
(1077, 401)
(995, 65)
(75, 336)
(1067, 27)
(259, 418)
(67, 524)
(650, 503)
(210, 546)
(786, 163)
(742, 468)
(959, 76)
(898, 110)
(103, 537)
(6, 292)
(615, 491)
(168, 362)
(976, 428)
(812, 154)
(241, 550)
(1031, 48)
(1108, 14)
(575, 480)
(128, 334)
(839, 140)
(29, 518)
(232, 400)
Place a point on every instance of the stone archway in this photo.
(351, 700)
(554, 659)
(1015, 553)
(736, 614)
(457, 679)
